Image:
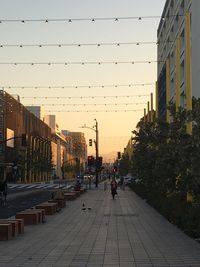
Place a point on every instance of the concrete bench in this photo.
(61, 202)
(83, 190)
(5, 231)
(20, 225)
(14, 225)
(78, 193)
(70, 196)
(41, 213)
(29, 217)
(50, 208)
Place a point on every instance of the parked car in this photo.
(127, 180)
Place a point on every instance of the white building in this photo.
(172, 40)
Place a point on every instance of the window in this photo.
(182, 71)
(182, 8)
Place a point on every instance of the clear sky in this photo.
(114, 127)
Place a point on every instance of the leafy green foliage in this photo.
(166, 161)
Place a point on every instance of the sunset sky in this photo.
(92, 93)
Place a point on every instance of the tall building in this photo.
(50, 120)
(36, 110)
(178, 38)
(79, 149)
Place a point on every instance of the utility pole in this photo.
(97, 154)
(96, 130)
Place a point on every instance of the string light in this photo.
(81, 63)
(83, 44)
(104, 104)
(83, 97)
(97, 111)
(80, 86)
(70, 20)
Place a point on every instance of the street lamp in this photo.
(96, 130)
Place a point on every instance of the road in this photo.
(24, 196)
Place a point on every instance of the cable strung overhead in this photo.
(81, 63)
(81, 97)
(79, 86)
(97, 111)
(89, 104)
(92, 19)
(83, 44)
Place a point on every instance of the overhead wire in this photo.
(78, 86)
(96, 111)
(83, 97)
(90, 104)
(5, 45)
(91, 19)
(82, 63)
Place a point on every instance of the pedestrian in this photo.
(3, 192)
(89, 181)
(113, 187)
(105, 185)
(77, 186)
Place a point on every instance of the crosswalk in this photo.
(40, 186)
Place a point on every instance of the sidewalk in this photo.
(124, 232)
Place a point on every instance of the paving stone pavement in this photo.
(125, 232)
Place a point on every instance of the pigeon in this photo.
(83, 207)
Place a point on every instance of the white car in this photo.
(127, 180)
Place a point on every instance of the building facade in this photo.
(25, 143)
(178, 38)
(78, 154)
(36, 110)
(128, 150)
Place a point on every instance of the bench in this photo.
(29, 217)
(41, 213)
(50, 208)
(5, 231)
(14, 225)
(78, 193)
(70, 196)
(61, 202)
(83, 190)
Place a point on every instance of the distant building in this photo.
(36, 110)
(51, 121)
(128, 150)
(172, 45)
(78, 147)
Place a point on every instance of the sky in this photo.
(87, 89)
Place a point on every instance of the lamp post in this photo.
(96, 130)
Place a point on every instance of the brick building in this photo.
(27, 159)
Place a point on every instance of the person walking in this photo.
(113, 186)
(3, 192)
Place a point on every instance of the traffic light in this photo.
(90, 142)
(24, 139)
(90, 161)
(119, 155)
